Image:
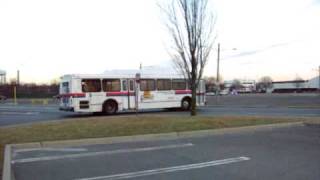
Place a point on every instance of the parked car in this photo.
(224, 92)
(210, 93)
(3, 98)
(57, 97)
(234, 92)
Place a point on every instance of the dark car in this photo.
(2, 98)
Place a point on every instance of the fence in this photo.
(30, 91)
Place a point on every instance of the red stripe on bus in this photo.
(183, 92)
(186, 92)
(119, 93)
(75, 95)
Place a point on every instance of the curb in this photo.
(8, 172)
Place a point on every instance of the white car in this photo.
(224, 92)
(210, 93)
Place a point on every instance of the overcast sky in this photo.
(46, 39)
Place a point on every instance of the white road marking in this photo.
(168, 169)
(80, 155)
(28, 107)
(51, 149)
(19, 113)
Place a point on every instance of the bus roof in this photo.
(122, 76)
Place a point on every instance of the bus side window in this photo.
(91, 85)
(147, 85)
(111, 85)
(164, 84)
(124, 85)
(131, 85)
(179, 84)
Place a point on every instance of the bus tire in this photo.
(186, 104)
(110, 107)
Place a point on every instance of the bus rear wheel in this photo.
(110, 107)
(185, 104)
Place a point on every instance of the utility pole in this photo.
(15, 94)
(18, 77)
(319, 80)
(218, 78)
(15, 88)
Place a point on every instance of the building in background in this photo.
(314, 82)
(311, 85)
(3, 77)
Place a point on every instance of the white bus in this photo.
(112, 93)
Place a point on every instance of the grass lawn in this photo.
(104, 126)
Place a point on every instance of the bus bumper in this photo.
(70, 109)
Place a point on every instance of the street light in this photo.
(319, 79)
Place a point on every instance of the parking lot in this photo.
(284, 153)
(308, 100)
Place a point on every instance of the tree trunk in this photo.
(193, 102)
(193, 110)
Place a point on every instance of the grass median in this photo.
(104, 126)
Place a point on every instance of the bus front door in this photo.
(130, 98)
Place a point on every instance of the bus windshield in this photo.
(64, 88)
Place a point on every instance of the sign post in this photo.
(15, 94)
(137, 87)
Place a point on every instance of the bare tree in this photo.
(190, 24)
(264, 83)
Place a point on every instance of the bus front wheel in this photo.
(110, 107)
(186, 104)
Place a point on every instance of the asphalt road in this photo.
(290, 153)
(276, 105)
(12, 115)
(267, 100)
